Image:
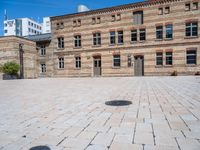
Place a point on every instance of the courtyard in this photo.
(70, 114)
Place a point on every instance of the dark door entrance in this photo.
(139, 65)
(97, 65)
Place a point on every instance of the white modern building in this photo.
(26, 26)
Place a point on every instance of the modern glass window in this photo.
(120, 37)
(77, 41)
(169, 58)
(129, 61)
(61, 63)
(169, 31)
(142, 34)
(116, 61)
(43, 68)
(42, 50)
(138, 18)
(78, 62)
(159, 58)
(5, 31)
(112, 37)
(133, 35)
(191, 29)
(191, 56)
(159, 32)
(61, 42)
(97, 39)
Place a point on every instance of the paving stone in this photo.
(103, 139)
(125, 146)
(144, 138)
(188, 144)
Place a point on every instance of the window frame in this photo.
(169, 58)
(97, 39)
(167, 27)
(78, 62)
(136, 17)
(61, 63)
(77, 41)
(120, 37)
(116, 57)
(43, 68)
(159, 62)
(142, 31)
(43, 50)
(190, 55)
(61, 43)
(159, 32)
(112, 38)
(189, 28)
(134, 35)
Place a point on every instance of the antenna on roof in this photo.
(82, 8)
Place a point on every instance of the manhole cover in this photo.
(118, 103)
(40, 148)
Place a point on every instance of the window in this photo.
(159, 58)
(42, 50)
(29, 23)
(191, 56)
(61, 63)
(113, 17)
(112, 37)
(118, 17)
(169, 31)
(43, 68)
(133, 35)
(5, 31)
(187, 6)
(5, 24)
(159, 32)
(195, 6)
(116, 61)
(78, 62)
(61, 25)
(61, 42)
(93, 20)
(77, 23)
(138, 18)
(160, 11)
(98, 20)
(142, 34)
(167, 10)
(129, 61)
(120, 37)
(29, 30)
(191, 29)
(97, 39)
(77, 41)
(169, 58)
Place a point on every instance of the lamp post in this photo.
(21, 60)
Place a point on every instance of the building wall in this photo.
(46, 26)
(9, 51)
(148, 48)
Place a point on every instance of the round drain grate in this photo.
(118, 103)
(40, 148)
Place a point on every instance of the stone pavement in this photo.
(70, 114)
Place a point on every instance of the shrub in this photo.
(1, 67)
(10, 68)
(175, 73)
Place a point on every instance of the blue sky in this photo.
(41, 8)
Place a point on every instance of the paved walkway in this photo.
(70, 114)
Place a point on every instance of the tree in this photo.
(10, 68)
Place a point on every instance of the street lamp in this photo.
(21, 60)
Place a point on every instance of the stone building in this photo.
(154, 37)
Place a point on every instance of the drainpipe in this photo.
(21, 60)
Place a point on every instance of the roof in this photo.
(115, 8)
(39, 37)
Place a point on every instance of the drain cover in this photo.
(40, 148)
(118, 103)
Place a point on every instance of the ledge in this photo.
(190, 37)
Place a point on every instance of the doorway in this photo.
(97, 65)
(139, 65)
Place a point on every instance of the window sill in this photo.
(168, 66)
(120, 43)
(43, 56)
(191, 65)
(141, 41)
(158, 39)
(96, 46)
(116, 67)
(133, 42)
(60, 68)
(112, 44)
(77, 47)
(60, 48)
(190, 37)
(168, 39)
(159, 66)
(77, 68)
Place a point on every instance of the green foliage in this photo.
(1, 67)
(10, 68)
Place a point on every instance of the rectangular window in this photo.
(79, 22)
(120, 37)
(187, 6)
(42, 50)
(169, 31)
(159, 58)
(98, 20)
(78, 62)
(159, 32)
(112, 37)
(116, 61)
(74, 23)
(61, 63)
(167, 10)
(5, 31)
(43, 68)
(97, 39)
(77, 41)
(138, 18)
(169, 58)
(118, 17)
(191, 29)
(129, 61)
(160, 11)
(142, 34)
(61, 25)
(93, 20)
(191, 57)
(133, 35)
(61, 42)
(113, 17)
(195, 6)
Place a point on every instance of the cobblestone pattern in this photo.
(70, 114)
